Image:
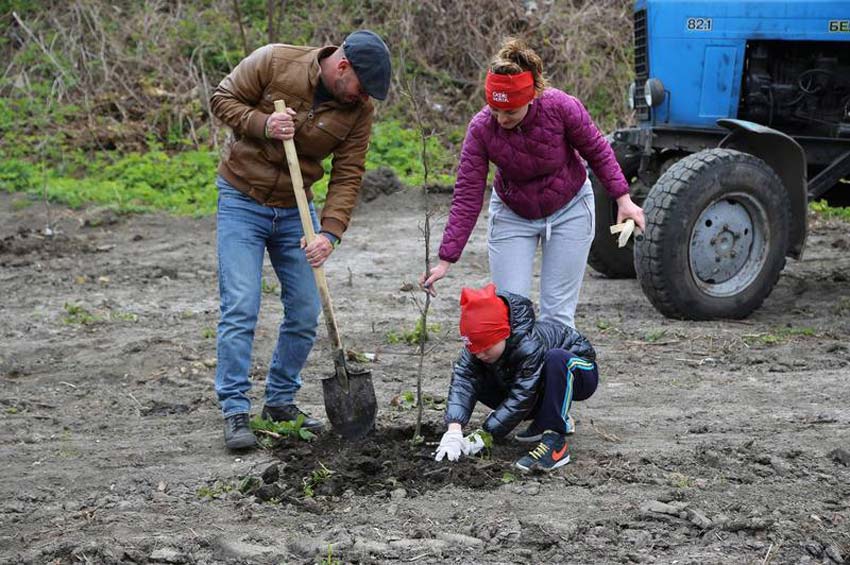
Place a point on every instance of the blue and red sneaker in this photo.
(552, 452)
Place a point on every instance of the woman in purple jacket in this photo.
(541, 141)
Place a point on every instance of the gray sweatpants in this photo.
(565, 238)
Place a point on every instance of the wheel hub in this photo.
(726, 247)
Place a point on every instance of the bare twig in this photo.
(41, 45)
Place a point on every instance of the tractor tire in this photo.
(605, 256)
(716, 235)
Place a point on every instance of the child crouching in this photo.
(522, 370)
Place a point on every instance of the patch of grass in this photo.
(183, 183)
(508, 477)
(137, 182)
(778, 335)
(124, 316)
(399, 147)
(76, 314)
(317, 477)
(824, 210)
(208, 333)
(22, 204)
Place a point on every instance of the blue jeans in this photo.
(245, 230)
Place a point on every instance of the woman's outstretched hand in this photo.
(427, 280)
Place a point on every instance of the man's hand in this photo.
(452, 446)
(280, 125)
(318, 251)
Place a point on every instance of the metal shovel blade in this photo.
(351, 409)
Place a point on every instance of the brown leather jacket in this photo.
(257, 166)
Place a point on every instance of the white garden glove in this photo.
(452, 445)
(475, 442)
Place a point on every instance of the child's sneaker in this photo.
(552, 452)
(532, 433)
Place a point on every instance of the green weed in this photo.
(269, 288)
(316, 478)
(76, 314)
(208, 333)
(413, 336)
(407, 401)
(680, 480)
(329, 559)
(824, 210)
(249, 484)
(653, 336)
(291, 428)
(216, 490)
(508, 477)
(488, 443)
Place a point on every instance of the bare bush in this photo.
(144, 70)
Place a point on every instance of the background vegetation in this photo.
(107, 102)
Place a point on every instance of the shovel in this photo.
(349, 395)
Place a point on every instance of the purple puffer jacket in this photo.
(539, 164)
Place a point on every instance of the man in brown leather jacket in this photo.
(327, 93)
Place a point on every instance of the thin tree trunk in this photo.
(238, 13)
(271, 26)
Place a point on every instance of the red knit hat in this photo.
(483, 318)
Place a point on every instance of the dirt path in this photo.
(714, 442)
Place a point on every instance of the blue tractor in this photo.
(743, 111)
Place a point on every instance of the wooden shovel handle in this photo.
(309, 233)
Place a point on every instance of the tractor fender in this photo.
(787, 158)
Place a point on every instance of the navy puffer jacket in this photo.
(515, 379)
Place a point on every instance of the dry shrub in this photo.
(141, 70)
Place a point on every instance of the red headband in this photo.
(507, 92)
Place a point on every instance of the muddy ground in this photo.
(714, 442)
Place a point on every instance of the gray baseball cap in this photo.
(370, 57)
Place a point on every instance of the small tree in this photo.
(408, 91)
